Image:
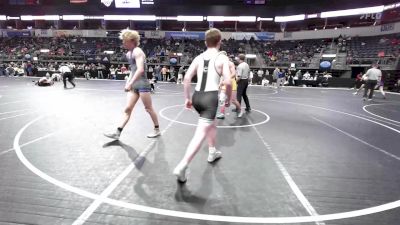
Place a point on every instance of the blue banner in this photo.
(188, 35)
(387, 27)
(17, 34)
(258, 36)
(264, 36)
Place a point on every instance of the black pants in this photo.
(242, 92)
(369, 85)
(70, 79)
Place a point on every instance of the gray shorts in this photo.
(141, 85)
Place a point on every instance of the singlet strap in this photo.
(205, 74)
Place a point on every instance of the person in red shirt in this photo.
(358, 81)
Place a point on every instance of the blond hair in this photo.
(128, 34)
(213, 37)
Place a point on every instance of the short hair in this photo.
(128, 34)
(242, 57)
(213, 37)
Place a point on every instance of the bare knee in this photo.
(149, 109)
(128, 110)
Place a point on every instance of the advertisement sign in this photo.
(16, 33)
(43, 33)
(256, 35)
(182, 35)
(127, 4)
(265, 36)
(387, 27)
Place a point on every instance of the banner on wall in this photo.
(154, 34)
(43, 33)
(387, 27)
(94, 33)
(287, 34)
(265, 36)
(16, 33)
(256, 35)
(65, 33)
(60, 33)
(182, 35)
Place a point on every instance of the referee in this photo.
(242, 73)
(372, 75)
(66, 73)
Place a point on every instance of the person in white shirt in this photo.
(380, 85)
(260, 74)
(242, 74)
(209, 67)
(66, 73)
(275, 75)
(372, 75)
(307, 76)
(113, 72)
(251, 76)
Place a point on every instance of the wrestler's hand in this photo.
(128, 87)
(188, 103)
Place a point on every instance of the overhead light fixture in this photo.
(93, 17)
(109, 52)
(216, 18)
(290, 18)
(2, 17)
(116, 17)
(13, 18)
(247, 19)
(26, 17)
(144, 17)
(45, 17)
(51, 17)
(166, 18)
(130, 17)
(264, 19)
(392, 6)
(189, 18)
(351, 12)
(73, 17)
(232, 18)
(311, 16)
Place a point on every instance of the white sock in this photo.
(212, 150)
(182, 165)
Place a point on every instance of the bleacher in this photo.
(359, 50)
